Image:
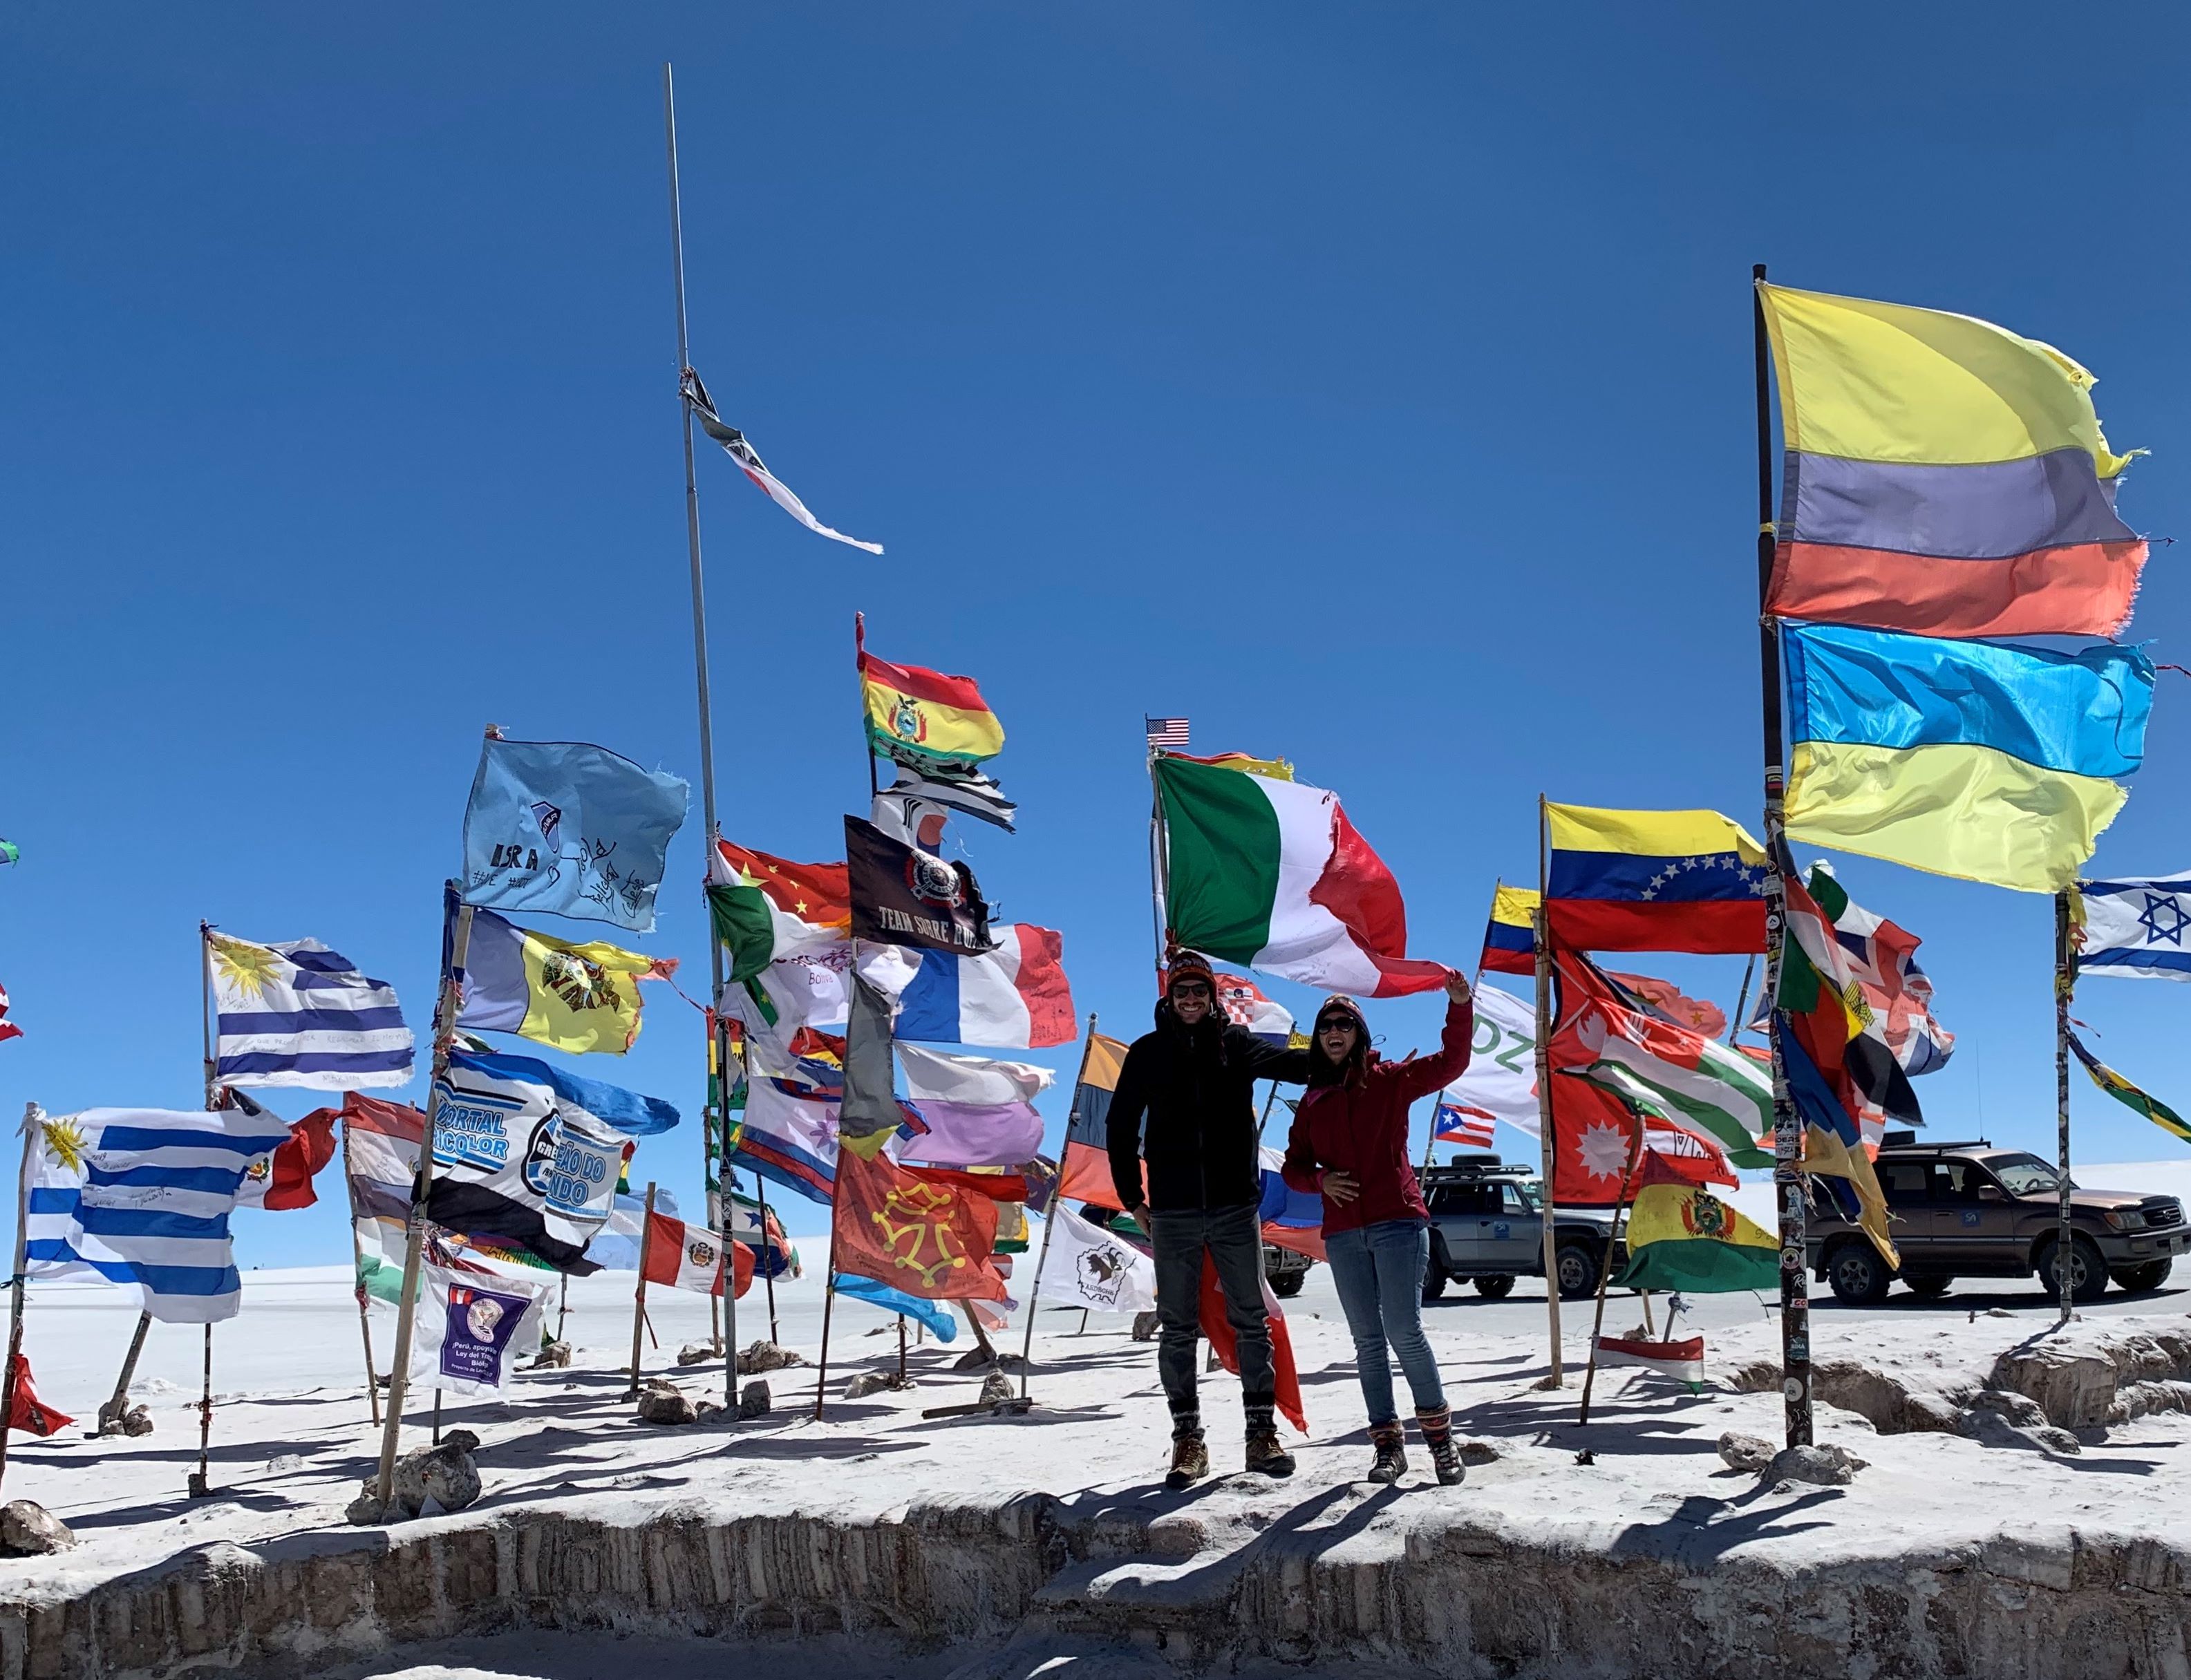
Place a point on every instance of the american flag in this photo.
(1165, 731)
(1471, 1128)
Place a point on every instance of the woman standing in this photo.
(1350, 1145)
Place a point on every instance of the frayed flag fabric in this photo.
(141, 1197)
(1015, 997)
(570, 829)
(918, 794)
(903, 896)
(734, 445)
(2139, 1101)
(977, 1111)
(300, 1016)
(1683, 1361)
(2139, 929)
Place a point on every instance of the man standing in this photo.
(1193, 1081)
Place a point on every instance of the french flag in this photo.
(1012, 998)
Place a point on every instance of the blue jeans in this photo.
(1379, 1272)
(1234, 1239)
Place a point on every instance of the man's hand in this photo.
(1457, 987)
(1341, 1187)
(1140, 1215)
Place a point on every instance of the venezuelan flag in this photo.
(924, 717)
(1510, 943)
(1981, 760)
(1943, 475)
(1653, 880)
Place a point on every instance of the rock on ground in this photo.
(554, 1356)
(754, 1400)
(1739, 1451)
(445, 1476)
(125, 1421)
(28, 1528)
(1145, 1327)
(1825, 1467)
(662, 1402)
(767, 1356)
(996, 1389)
(699, 1353)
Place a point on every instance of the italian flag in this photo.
(1271, 873)
(765, 910)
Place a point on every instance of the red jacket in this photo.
(1360, 1127)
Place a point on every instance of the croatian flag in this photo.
(1015, 997)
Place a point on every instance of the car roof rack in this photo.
(1896, 1140)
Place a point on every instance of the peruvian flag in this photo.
(1271, 873)
(681, 1256)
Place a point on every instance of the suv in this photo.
(1487, 1228)
(1971, 1210)
(1285, 1269)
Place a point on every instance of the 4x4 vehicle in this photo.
(1968, 1210)
(1487, 1228)
(1285, 1269)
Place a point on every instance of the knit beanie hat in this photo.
(1190, 963)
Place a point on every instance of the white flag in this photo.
(1089, 1267)
(1501, 1080)
(736, 446)
(469, 1325)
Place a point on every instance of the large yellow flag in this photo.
(577, 998)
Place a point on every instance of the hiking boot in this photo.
(1436, 1425)
(1391, 1460)
(1190, 1461)
(1266, 1457)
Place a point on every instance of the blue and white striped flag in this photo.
(299, 1014)
(2138, 929)
(140, 1196)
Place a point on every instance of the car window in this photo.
(1903, 1181)
(2027, 1175)
(1451, 1198)
(1955, 1183)
(1512, 1202)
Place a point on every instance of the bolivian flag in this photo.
(1510, 941)
(1685, 1239)
(1653, 880)
(924, 717)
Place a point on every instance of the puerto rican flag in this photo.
(1471, 1128)
(1015, 997)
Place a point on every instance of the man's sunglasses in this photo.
(1190, 989)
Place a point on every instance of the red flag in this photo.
(926, 1231)
(682, 1257)
(1219, 1328)
(28, 1412)
(310, 1146)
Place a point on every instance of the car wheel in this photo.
(2088, 1272)
(1859, 1276)
(1289, 1283)
(1577, 1264)
(2150, 1276)
(1929, 1289)
(1495, 1288)
(1434, 1278)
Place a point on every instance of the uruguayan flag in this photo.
(2140, 929)
(299, 1014)
(140, 1196)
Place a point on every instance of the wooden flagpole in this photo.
(200, 1483)
(34, 1123)
(1548, 1148)
(1050, 1219)
(1605, 1265)
(117, 1403)
(639, 1289)
(414, 1240)
(1430, 1142)
(2065, 982)
(357, 1274)
(1790, 1187)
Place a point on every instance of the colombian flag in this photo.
(1653, 880)
(1944, 477)
(924, 717)
(1510, 941)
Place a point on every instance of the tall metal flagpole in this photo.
(1791, 1188)
(1548, 1145)
(716, 1121)
(2065, 981)
(199, 1484)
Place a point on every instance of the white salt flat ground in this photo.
(291, 1437)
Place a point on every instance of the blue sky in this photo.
(1372, 385)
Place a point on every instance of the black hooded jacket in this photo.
(1195, 1088)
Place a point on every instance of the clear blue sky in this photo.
(1372, 385)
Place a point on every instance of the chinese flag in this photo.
(926, 1231)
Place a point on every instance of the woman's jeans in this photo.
(1379, 1270)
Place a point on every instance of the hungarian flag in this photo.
(1222, 1342)
(925, 1231)
(1271, 873)
(681, 1256)
(765, 910)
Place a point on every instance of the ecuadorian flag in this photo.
(1510, 943)
(1653, 880)
(924, 717)
(1943, 476)
(1981, 760)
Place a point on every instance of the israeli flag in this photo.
(2138, 929)
(140, 1198)
(570, 829)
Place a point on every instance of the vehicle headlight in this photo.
(2130, 1220)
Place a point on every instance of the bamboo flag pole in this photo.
(639, 1289)
(34, 1132)
(201, 1485)
(1789, 1186)
(117, 1403)
(1548, 1148)
(357, 1269)
(1050, 1219)
(414, 1239)
(1605, 1265)
(2065, 986)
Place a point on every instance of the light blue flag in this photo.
(934, 1314)
(570, 830)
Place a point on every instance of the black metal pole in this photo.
(1789, 1185)
(2065, 981)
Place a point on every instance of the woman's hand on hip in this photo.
(1340, 1187)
